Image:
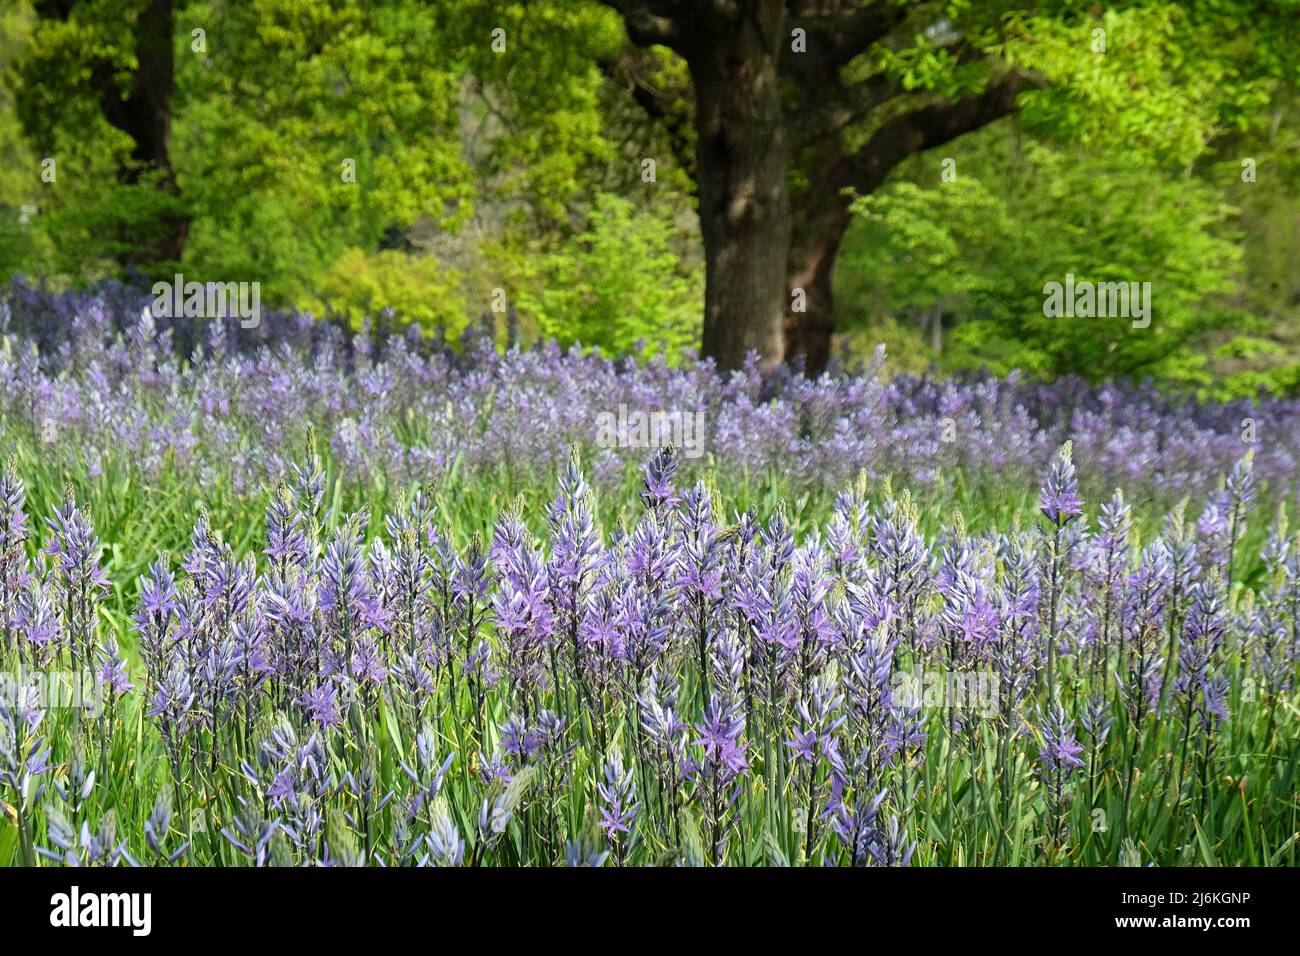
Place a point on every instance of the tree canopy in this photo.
(731, 175)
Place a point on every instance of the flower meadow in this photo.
(95, 384)
(302, 596)
(693, 688)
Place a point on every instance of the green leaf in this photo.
(1207, 851)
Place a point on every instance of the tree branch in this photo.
(831, 108)
(649, 22)
(931, 126)
(838, 31)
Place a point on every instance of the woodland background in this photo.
(504, 146)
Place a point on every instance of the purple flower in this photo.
(618, 807)
(720, 731)
(1061, 749)
(1058, 759)
(1059, 495)
(658, 491)
(14, 570)
(321, 705)
(78, 580)
(113, 674)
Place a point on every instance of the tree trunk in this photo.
(151, 98)
(747, 137)
(145, 114)
(821, 212)
(814, 246)
(744, 158)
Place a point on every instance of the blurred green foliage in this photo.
(953, 255)
(616, 284)
(977, 252)
(402, 155)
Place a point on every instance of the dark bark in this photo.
(146, 115)
(742, 153)
(144, 112)
(743, 160)
(814, 247)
